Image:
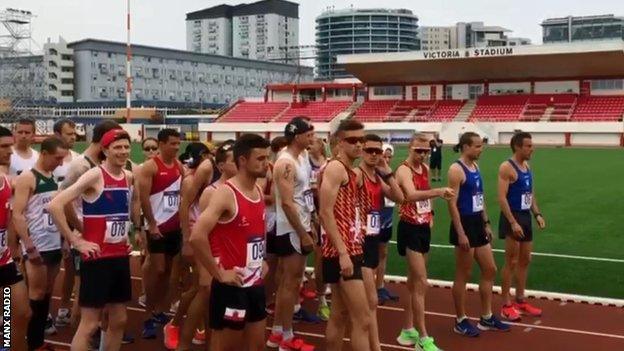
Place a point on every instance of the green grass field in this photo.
(581, 195)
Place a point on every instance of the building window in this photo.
(389, 90)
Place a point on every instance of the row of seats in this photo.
(598, 108)
(254, 111)
(408, 110)
(316, 111)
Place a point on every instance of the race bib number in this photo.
(48, 222)
(314, 178)
(3, 241)
(423, 207)
(477, 203)
(388, 202)
(255, 252)
(308, 197)
(117, 229)
(373, 223)
(171, 201)
(526, 201)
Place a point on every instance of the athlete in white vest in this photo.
(65, 129)
(24, 157)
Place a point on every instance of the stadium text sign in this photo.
(479, 52)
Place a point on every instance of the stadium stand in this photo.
(598, 108)
(316, 111)
(499, 108)
(254, 111)
(375, 110)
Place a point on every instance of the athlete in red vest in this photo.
(10, 275)
(107, 205)
(234, 221)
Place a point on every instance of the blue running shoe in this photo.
(390, 295)
(304, 316)
(466, 328)
(149, 329)
(127, 339)
(382, 296)
(160, 318)
(494, 324)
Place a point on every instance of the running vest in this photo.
(42, 230)
(5, 209)
(106, 219)
(20, 164)
(302, 196)
(240, 241)
(314, 173)
(372, 204)
(470, 198)
(417, 212)
(520, 192)
(165, 196)
(348, 220)
(271, 215)
(61, 171)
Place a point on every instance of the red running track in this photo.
(564, 326)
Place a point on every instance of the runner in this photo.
(517, 201)
(10, 276)
(435, 161)
(24, 157)
(107, 203)
(234, 220)
(375, 187)
(195, 154)
(41, 241)
(294, 232)
(414, 238)
(159, 189)
(340, 206)
(471, 234)
(385, 234)
(65, 129)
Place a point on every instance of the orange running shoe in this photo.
(274, 340)
(526, 309)
(171, 336)
(307, 294)
(199, 338)
(510, 313)
(295, 344)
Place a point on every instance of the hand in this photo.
(488, 232)
(140, 239)
(541, 223)
(314, 234)
(230, 277)
(446, 193)
(65, 250)
(383, 166)
(464, 244)
(154, 232)
(346, 266)
(87, 248)
(129, 248)
(265, 269)
(517, 231)
(307, 244)
(33, 254)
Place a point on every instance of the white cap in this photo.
(388, 147)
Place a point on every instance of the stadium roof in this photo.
(604, 59)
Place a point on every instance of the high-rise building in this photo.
(435, 38)
(466, 35)
(264, 30)
(569, 29)
(353, 31)
(59, 81)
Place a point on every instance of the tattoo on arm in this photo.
(287, 171)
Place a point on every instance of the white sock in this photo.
(487, 316)
(460, 319)
(410, 330)
(102, 337)
(277, 329)
(322, 300)
(288, 334)
(62, 312)
(297, 308)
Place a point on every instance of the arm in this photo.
(189, 193)
(13, 240)
(404, 179)
(144, 178)
(456, 177)
(22, 190)
(541, 222)
(76, 169)
(204, 200)
(333, 177)
(135, 205)
(58, 203)
(285, 183)
(505, 177)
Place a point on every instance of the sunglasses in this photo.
(420, 151)
(150, 148)
(373, 151)
(355, 140)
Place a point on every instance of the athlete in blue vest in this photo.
(517, 201)
(471, 235)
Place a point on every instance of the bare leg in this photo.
(354, 297)
(485, 258)
(463, 265)
(509, 269)
(368, 276)
(418, 272)
(116, 323)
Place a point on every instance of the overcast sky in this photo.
(161, 22)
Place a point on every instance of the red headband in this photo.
(112, 136)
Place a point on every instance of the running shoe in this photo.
(127, 339)
(161, 318)
(526, 309)
(408, 337)
(149, 329)
(494, 324)
(174, 307)
(50, 329)
(427, 344)
(307, 293)
(141, 300)
(304, 316)
(466, 328)
(199, 338)
(382, 296)
(510, 313)
(274, 340)
(63, 317)
(390, 294)
(171, 336)
(295, 344)
(323, 312)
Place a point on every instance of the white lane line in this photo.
(544, 254)
(57, 343)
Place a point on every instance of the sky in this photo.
(162, 22)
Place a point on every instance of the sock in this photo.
(297, 308)
(62, 312)
(36, 326)
(410, 330)
(102, 338)
(277, 329)
(322, 300)
(487, 316)
(288, 334)
(422, 338)
(460, 319)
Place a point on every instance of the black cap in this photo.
(298, 125)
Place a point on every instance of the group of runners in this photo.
(224, 235)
